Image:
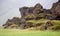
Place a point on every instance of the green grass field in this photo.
(18, 32)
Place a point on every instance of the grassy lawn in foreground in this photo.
(18, 32)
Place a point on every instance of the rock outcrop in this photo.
(53, 13)
(34, 13)
(56, 10)
(27, 10)
(12, 23)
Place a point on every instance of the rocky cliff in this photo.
(38, 9)
(30, 16)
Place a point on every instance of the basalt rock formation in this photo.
(34, 13)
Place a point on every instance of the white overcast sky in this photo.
(10, 8)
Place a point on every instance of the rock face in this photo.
(34, 13)
(27, 10)
(24, 11)
(56, 10)
(53, 13)
(12, 23)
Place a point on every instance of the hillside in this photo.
(37, 18)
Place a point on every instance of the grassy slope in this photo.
(38, 21)
(44, 21)
(18, 32)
